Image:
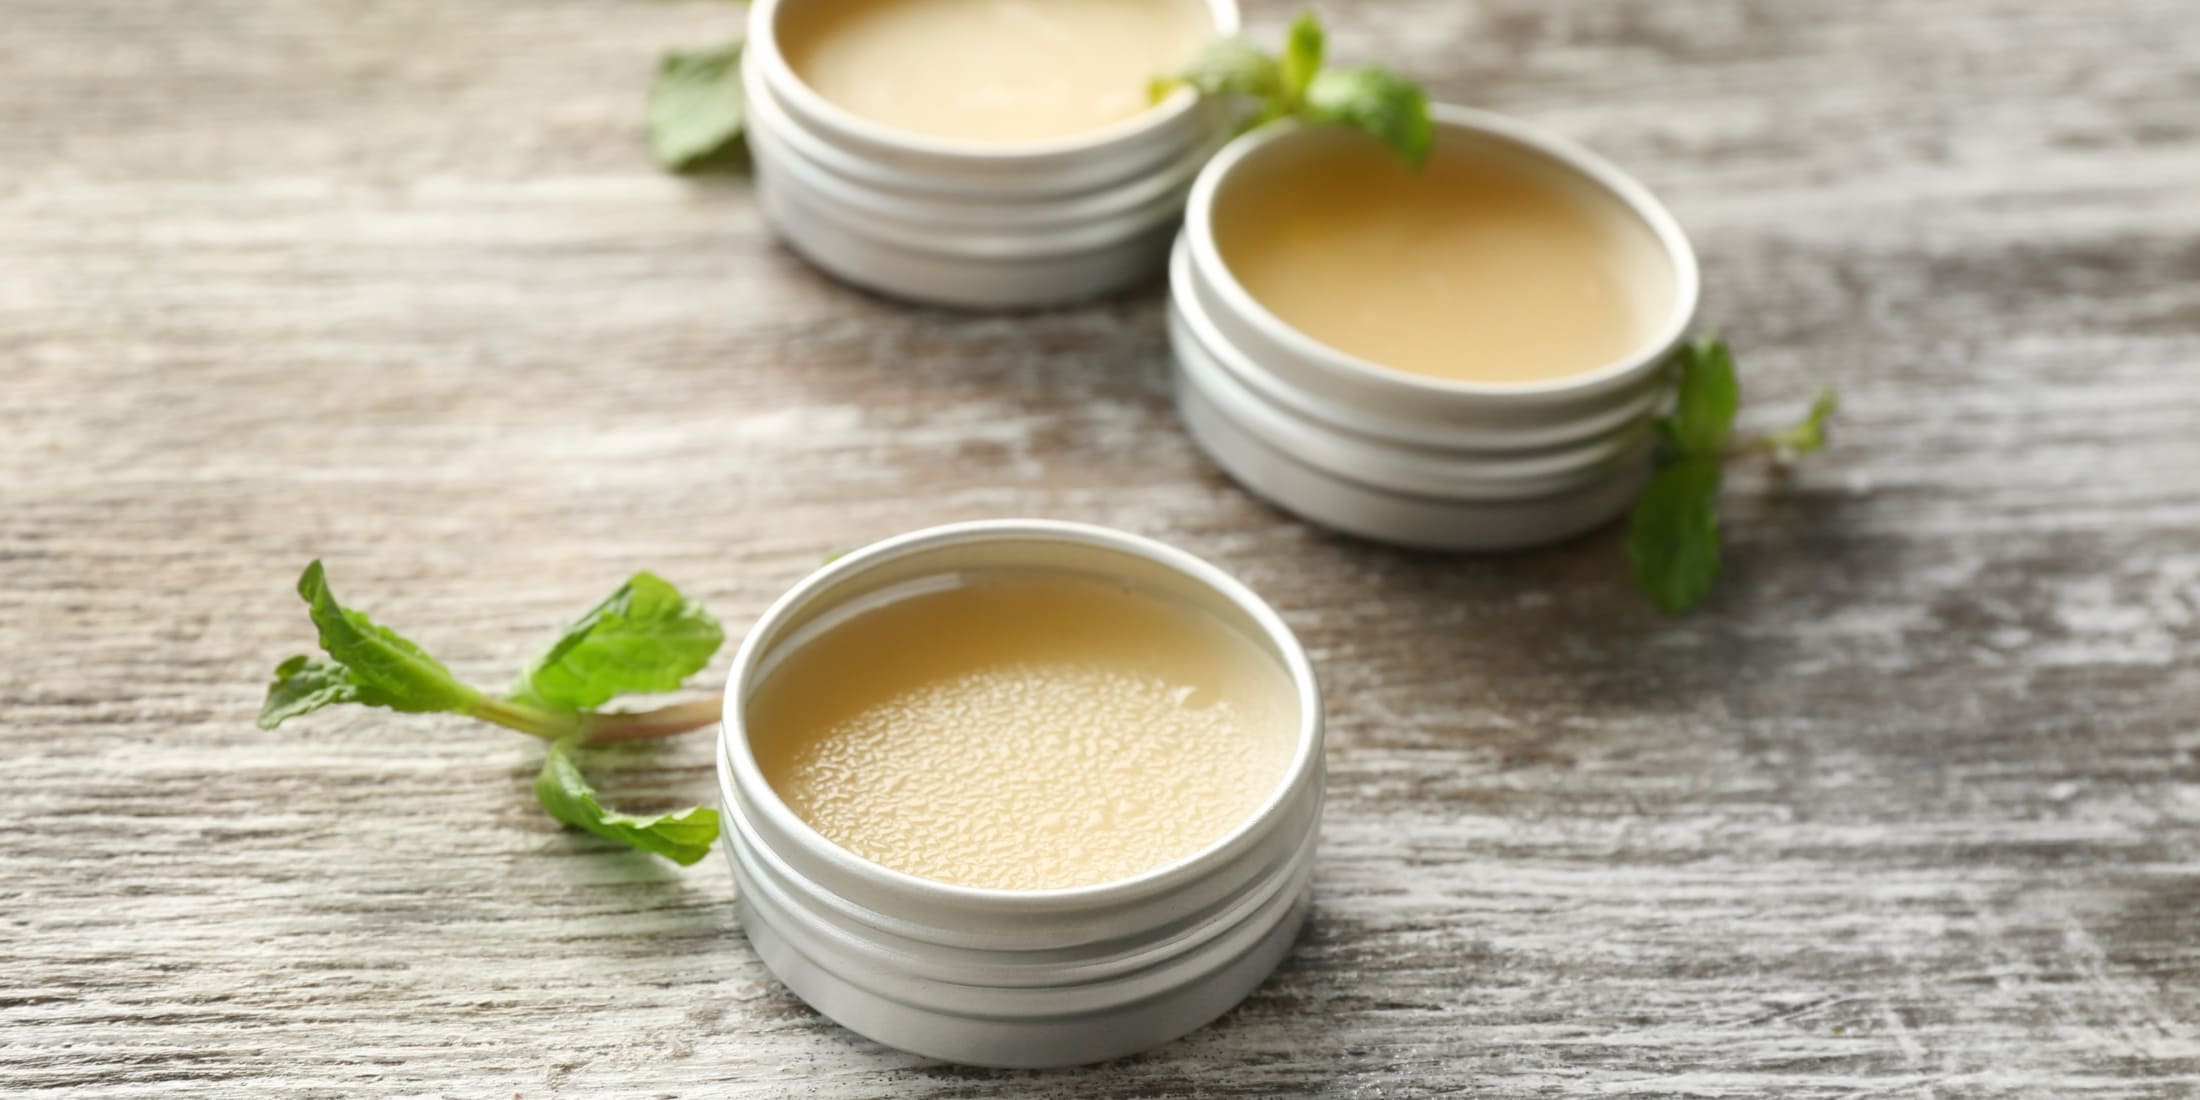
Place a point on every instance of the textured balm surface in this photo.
(1025, 732)
(990, 70)
(1489, 264)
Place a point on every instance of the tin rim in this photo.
(748, 777)
(854, 182)
(1081, 226)
(764, 46)
(1355, 458)
(1579, 160)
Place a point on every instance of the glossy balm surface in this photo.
(1025, 732)
(999, 71)
(1490, 264)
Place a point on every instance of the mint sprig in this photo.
(1673, 532)
(1295, 85)
(644, 638)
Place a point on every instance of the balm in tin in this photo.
(952, 902)
(1456, 446)
(986, 207)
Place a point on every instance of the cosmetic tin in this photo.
(970, 224)
(1017, 977)
(1400, 457)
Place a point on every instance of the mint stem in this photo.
(679, 718)
(599, 727)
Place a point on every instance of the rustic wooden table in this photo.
(1910, 808)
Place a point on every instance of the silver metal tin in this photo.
(970, 224)
(1399, 457)
(1017, 977)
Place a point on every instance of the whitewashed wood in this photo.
(1911, 808)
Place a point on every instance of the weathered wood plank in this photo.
(1911, 808)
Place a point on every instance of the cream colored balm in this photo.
(1000, 71)
(1025, 732)
(1490, 264)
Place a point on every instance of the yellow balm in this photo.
(1490, 264)
(990, 70)
(1025, 732)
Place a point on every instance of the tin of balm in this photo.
(1020, 792)
(1464, 356)
(978, 153)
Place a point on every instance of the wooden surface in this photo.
(1910, 808)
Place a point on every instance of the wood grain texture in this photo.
(1910, 808)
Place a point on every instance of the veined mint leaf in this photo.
(696, 106)
(1227, 66)
(1705, 396)
(643, 638)
(1805, 435)
(1673, 533)
(683, 836)
(1302, 56)
(303, 685)
(384, 669)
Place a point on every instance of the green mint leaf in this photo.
(1673, 533)
(643, 638)
(1226, 66)
(1378, 101)
(1371, 98)
(1705, 395)
(303, 685)
(1805, 435)
(1302, 56)
(385, 670)
(683, 836)
(696, 106)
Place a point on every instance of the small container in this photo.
(1018, 977)
(1401, 457)
(971, 224)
